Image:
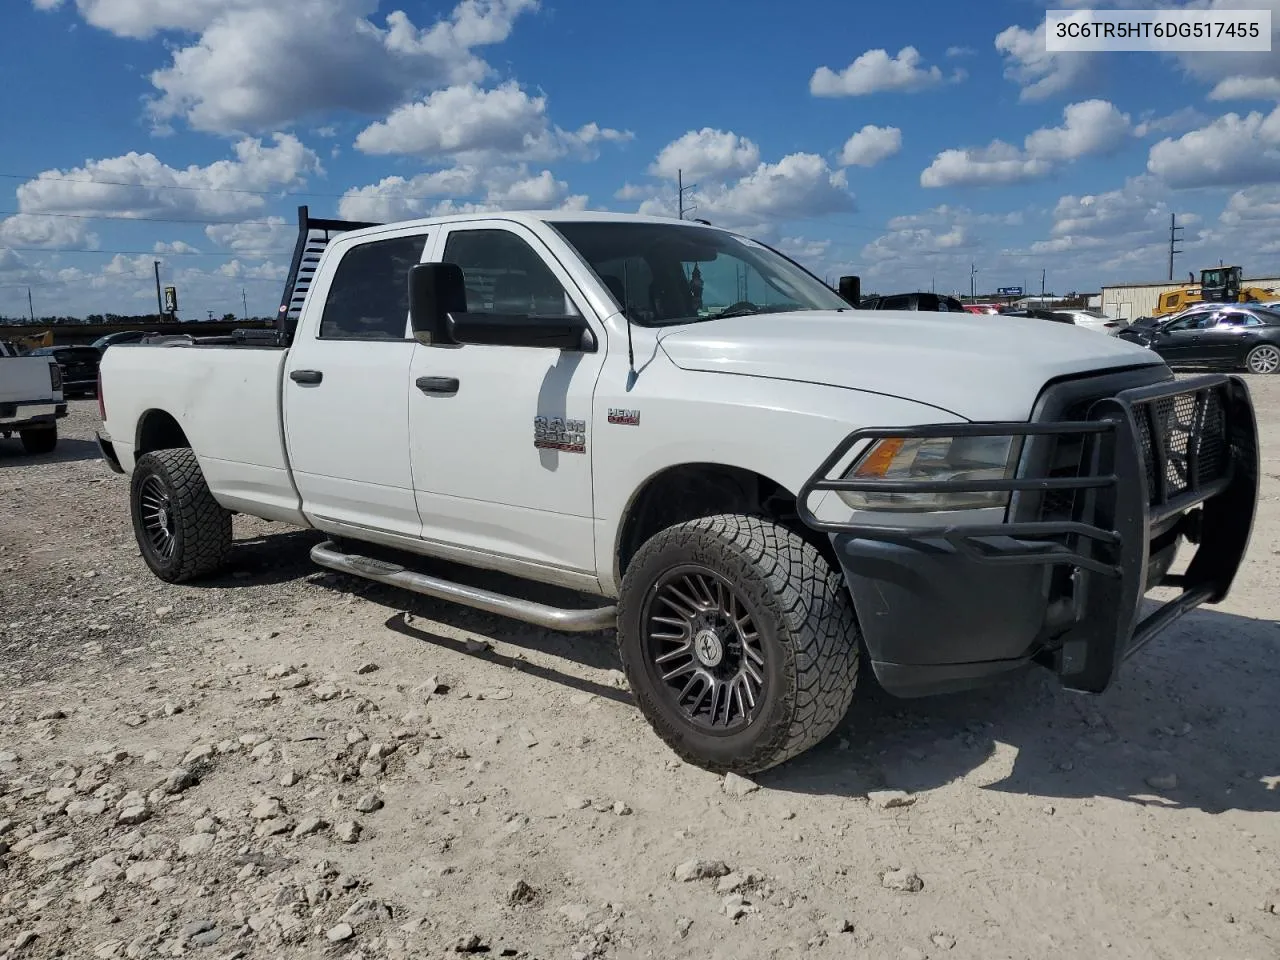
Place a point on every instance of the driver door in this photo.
(1181, 340)
(500, 436)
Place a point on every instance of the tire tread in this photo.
(814, 611)
(205, 523)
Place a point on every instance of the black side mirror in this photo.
(435, 291)
(851, 290)
(518, 330)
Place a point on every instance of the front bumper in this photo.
(948, 607)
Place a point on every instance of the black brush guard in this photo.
(1134, 484)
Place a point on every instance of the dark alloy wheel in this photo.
(738, 640)
(155, 509)
(182, 531)
(704, 648)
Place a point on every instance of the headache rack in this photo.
(1148, 457)
(313, 236)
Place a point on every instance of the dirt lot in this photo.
(288, 763)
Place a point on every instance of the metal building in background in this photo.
(1128, 301)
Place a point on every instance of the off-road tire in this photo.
(1252, 358)
(805, 618)
(201, 527)
(40, 440)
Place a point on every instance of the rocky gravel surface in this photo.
(288, 763)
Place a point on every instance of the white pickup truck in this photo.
(31, 399)
(761, 483)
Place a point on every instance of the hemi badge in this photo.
(628, 418)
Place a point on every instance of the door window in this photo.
(1239, 320)
(504, 275)
(369, 296)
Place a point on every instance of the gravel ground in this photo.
(288, 763)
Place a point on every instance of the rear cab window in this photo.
(369, 296)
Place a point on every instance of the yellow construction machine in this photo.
(1217, 285)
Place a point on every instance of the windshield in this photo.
(670, 274)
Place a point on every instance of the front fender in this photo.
(779, 429)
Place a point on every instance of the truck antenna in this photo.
(626, 315)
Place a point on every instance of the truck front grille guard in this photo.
(1151, 454)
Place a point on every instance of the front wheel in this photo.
(738, 640)
(40, 440)
(182, 531)
(1264, 358)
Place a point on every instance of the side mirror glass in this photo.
(851, 290)
(435, 291)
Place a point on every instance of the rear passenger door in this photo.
(346, 387)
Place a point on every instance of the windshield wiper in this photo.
(732, 312)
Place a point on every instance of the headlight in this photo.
(937, 459)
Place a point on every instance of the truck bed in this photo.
(228, 399)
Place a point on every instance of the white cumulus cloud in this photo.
(140, 185)
(256, 65)
(468, 121)
(1089, 127)
(877, 72)
(870, 145)
(706, 153)
(1039, 72)
(1231, 151)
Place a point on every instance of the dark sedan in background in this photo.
(79, 366)
(1233, 336)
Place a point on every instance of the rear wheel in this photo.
(738, 640)
(40, 439)
(1264, 358)
(182, 531)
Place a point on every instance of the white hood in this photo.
(980, 367)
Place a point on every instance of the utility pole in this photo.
(973, 272)
(245, 300)
(159, 299)
(30, 306)
(1042, 273)
(681, 191)
(1173, 239)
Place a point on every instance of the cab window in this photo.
(504, 275)
(369, 296)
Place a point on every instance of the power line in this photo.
(125, 217)
(80, 281)
(173, 186)
(252, 255)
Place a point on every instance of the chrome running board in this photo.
(553, 618)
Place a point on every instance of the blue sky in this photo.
(900, 141)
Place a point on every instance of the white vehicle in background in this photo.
(1093, 320)
(757, 483)
(30, 399)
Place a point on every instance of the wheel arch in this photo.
(682, 492)
(158, 430)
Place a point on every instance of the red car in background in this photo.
(981, 308)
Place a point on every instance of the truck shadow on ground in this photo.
(1198, 703)
(267, 559)
(67, 451)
